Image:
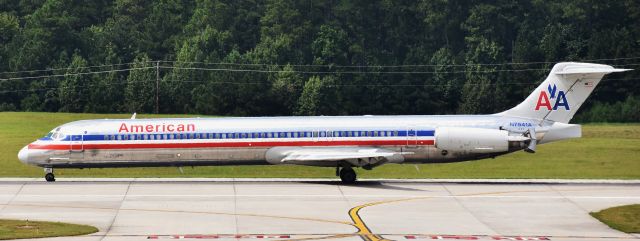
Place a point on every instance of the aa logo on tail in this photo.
(552, 94)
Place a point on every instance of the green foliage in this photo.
(259, 56)
(440, 92)
(331, 46)
(141, 85)
(72, 93)
(316, 96)
(623, 111)
(478, 89)
(286, 89)
(107, 90)
(165, 19)
(8, 27)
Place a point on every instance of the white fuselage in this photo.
(242, 141)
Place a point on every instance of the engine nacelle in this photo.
(472, 140)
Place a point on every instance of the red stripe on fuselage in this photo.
(90, 146)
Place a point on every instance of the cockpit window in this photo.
(55, 134)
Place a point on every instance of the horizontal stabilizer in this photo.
(562, 131)
(590, 70)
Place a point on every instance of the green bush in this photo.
(622, 111)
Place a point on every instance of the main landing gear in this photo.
(49, 174)
(347, 174)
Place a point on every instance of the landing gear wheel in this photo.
(49, 177)
(347, 175)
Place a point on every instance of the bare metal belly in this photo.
(159, 157)
(213, 157)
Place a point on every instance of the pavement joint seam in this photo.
(235, 206)
(12, 198)
(568, 199)
(113, 221)
(469, 210)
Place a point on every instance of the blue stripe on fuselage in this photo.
(250, 135)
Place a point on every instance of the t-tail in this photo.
(554, 102)
(560, 96)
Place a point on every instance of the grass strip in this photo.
(624, 218)
(23, 229)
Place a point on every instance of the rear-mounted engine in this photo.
(477, 140)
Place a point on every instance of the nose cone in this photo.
(23, 155)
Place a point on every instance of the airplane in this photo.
(341, 142)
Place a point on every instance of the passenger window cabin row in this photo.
(252, 135)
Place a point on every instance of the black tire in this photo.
(49, 177)
(348, 175)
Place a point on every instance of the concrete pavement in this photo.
(248, 209)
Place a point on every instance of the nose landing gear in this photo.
(49, 174)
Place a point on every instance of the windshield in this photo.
(55, 134)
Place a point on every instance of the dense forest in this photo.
(316, 57)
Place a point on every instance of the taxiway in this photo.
(264, 209)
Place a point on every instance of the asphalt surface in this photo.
(302, 209)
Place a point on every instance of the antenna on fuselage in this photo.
(133, 117)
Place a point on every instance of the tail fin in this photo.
(562, 93)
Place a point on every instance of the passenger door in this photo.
(76, 147)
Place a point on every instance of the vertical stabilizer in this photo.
(562, 93)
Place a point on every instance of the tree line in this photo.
(320, 57)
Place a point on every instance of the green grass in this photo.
(19, 229)
(623, 218)
(605, 151)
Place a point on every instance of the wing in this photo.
(358, 156)
(335, 155)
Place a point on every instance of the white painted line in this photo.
(49, 196)
(262, 180)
